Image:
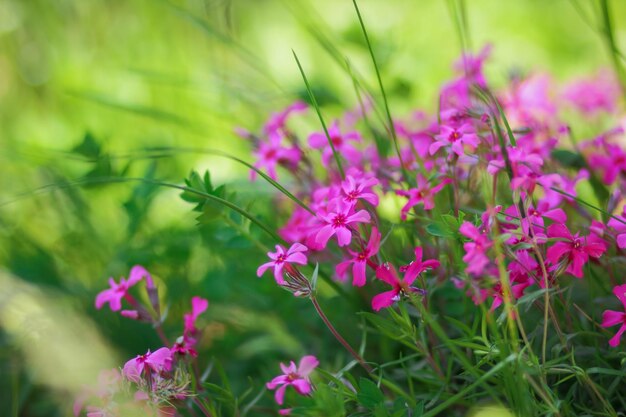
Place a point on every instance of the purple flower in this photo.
(337, 222)
(360, 260)
(455, 138)
(476, 251)
(296, 377)
(280, 258)
(359, 189)
(612, 318)
(422, 194)
(388, 274)
(575, 249)
(114, 295)
(158, 361)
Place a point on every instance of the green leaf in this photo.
(439, 230)
(89, 147)
(369, 395)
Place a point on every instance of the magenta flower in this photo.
(158, 361)
(280, 258)
(337, 222)
(388, 274)
(296, 377)
(476, 251)
(612, 318)
(455, 138)
(360, 260)
(185, 344)
(574, 249)
(341, 143)
(620, 228)
(359, 189)
(422, 194)
(114, 295)
(277, 121)
(272, 153)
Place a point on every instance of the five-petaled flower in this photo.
(360, 260)
(158, 361)
(612, 318)
(388, 274)
(337, 222)
(422, 194)
(281, 258)
(455, 138)
(575, 249)
(298, 377)
(114, 295)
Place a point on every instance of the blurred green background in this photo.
(86, 87)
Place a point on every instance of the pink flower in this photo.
(114, 295)
(337, 222)
(612, 318)
(422, 194)
(593, 95)
(185, 344)
(359, 189)
(296, 377)
(158, 361)
(277, 121)
(318, 140)
(280, 258)
(620, 228)
(576, 250)
(455, 138)
(360, 260)
(388, 274)
(476, 251)
(272, 153)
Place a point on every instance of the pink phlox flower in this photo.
(613, 164)
(418, 266)
(388, 274)
(283, 258)
(535, 217)
(455, 138)
(518, 157)
(277, 121)
(422, 194)
(297, 377)
(360, 260)
(575, 249)
(497, 293)
(117, 291)
(560, 182)
(593, 95)
(158, 361)
(185, 345)
(270, 154)
(338, 221)
(359, 188)
(530, 101)
(612, 318)
(475, 251)
(620, 227)
(471, 66)
(488, 218)
(341, 143)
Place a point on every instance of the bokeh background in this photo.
(89, 89)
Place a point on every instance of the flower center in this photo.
(293, 376)
(454, 136)
(270, 154)
(280, 259)
(577, 244)
(339, 221)
(352, 195)
(336, 140)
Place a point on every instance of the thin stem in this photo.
(339, 338)
(202, 407)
